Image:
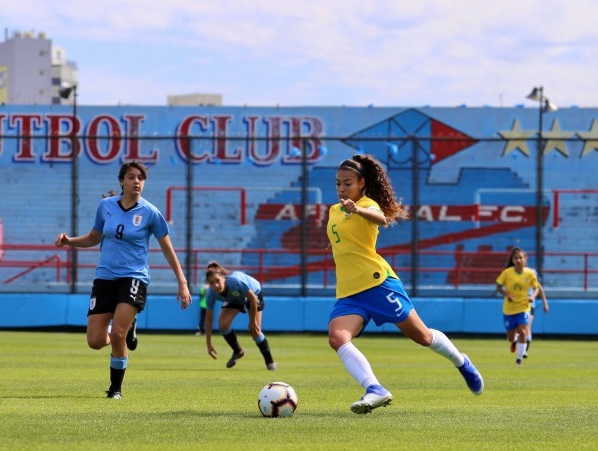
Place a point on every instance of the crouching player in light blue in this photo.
(367, 287)
(238, 292)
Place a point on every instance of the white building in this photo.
(194, 100)
(32, 70)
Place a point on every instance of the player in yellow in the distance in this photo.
(519, 286)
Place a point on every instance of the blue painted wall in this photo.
(451, 315)
(476, 191)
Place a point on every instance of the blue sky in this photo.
(323, 52)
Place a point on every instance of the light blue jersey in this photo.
(125, 238)
(237, 285)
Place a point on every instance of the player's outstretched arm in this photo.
(543, 295)
(208, 326)
(91, 239)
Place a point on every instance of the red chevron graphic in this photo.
(447, 141)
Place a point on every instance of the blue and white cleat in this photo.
(472, 376)
(375, 396)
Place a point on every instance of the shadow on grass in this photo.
(56, 396)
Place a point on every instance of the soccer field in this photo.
(176, 397)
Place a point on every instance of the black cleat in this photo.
(233, 360)
(132, 341)
(114, 394)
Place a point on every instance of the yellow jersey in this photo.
(518, 285)
(353, 239)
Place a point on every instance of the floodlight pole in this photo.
(540, 189)
(544, 105)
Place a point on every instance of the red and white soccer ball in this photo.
(277, 399)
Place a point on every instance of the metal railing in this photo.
(459, 270)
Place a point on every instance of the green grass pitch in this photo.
(176, 397)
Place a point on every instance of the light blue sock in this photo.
(118, 363)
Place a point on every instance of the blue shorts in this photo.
(512, 321)
(385, 303)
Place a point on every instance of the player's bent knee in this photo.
(96, 344)
(335, 342)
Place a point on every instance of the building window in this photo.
(55, 100)
(56, 81)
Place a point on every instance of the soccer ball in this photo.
(277, 399)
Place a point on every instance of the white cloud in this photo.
(291, 52)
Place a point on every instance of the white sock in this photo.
(357, 365)
(515, 338)
(521, 350)
(445, 347)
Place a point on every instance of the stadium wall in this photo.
(292, 314)
(230, 181)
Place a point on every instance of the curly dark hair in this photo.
(377, 185)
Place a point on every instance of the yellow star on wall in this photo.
(516, 139)
(556, 139)
(590, 138)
